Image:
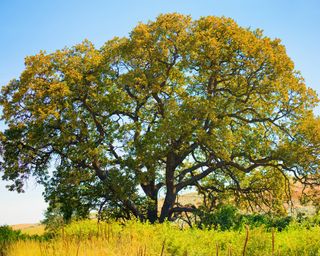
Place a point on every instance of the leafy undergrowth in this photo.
(134, 238)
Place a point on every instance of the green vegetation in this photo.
(144, 239)
(226, 217)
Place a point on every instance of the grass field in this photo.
(30, 229)
(133, 238)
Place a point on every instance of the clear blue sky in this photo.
(26, 27)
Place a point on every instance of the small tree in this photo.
(177, 104)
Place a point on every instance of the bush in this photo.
(227, 217)
(266, 220)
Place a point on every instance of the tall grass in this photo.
(134, 238)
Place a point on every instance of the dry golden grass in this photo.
(30, 229)
(90, 247)
(86, 238)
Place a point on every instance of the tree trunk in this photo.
(152, 193)
(168, 205)
(171, 194)
(152, 212)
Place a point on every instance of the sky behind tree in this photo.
(30, 26)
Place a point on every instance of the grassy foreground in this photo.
(134, 238)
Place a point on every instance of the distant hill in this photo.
(30, 229)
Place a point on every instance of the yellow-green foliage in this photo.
(134, 238)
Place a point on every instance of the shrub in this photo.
(227, 217)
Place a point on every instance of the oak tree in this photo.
(177, 104)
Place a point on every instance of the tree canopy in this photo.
(179, 103)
